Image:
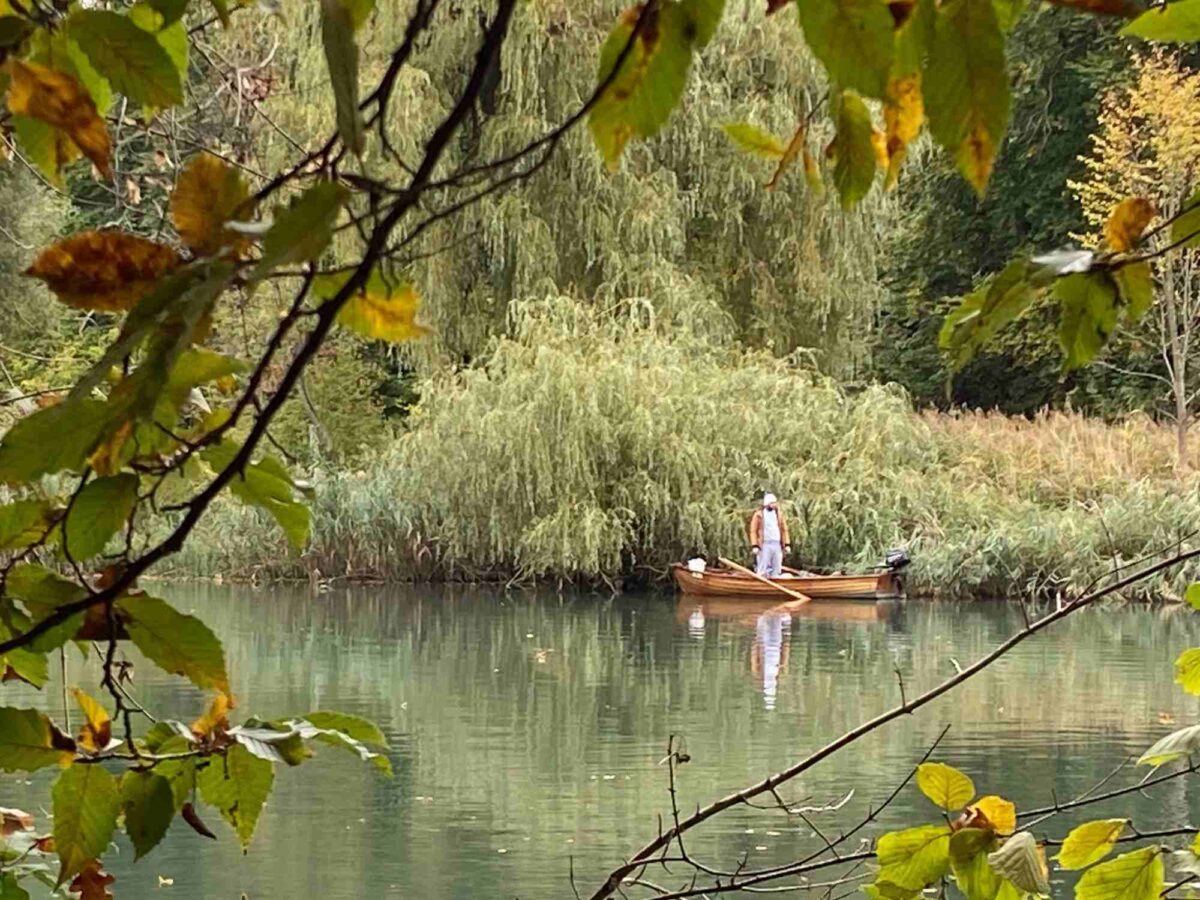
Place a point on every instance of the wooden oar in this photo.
(795, 595)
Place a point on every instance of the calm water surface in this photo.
(527, 729)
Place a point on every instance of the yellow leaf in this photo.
(976, 157)
(879, 145)
(903, 115)
(1001, 814)
(945, 785)
(208, 194)
(215, 718)
(1089, 843)
(1129, 219)
(107, 458)
(97, 727)
(383, 310)
(62, 102)
(109, 271)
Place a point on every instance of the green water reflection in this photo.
(527, 729)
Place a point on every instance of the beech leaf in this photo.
(209, 193)
(86, 804)
(107, 271)
(61, 102)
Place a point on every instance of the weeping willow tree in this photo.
(685, 225)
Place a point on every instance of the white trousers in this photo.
(770, 560)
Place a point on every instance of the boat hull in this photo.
(717, 582)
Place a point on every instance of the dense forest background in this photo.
(610, 378)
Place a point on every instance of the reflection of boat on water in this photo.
(695, 610)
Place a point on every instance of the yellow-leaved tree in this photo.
(1147, 145)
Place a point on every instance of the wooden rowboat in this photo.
(717, 581)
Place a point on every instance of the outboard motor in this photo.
(895, 559)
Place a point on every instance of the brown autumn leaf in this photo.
(133, 193)
(1128, 220)
(59, 100)
(903, 115)
(189, 815)
(97, 726)
(14, 820)
(215, 718)
(108, 271)
(44, 844)
(208, 194)
(92, 883)
(795, 146)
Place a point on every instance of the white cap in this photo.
(769, 498)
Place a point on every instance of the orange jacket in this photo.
(756, 528)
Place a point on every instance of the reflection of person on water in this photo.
(769, 653)
(769, 538)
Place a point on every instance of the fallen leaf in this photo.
(60, 101)
(108, 271)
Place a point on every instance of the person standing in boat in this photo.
(769, 539)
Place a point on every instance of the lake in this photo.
(527, 729)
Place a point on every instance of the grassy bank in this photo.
(592, 445)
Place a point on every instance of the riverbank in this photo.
(592, 448)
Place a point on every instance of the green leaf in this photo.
(267, 485)
(1131, 876)
(55, 439)
(703, 17)
(1185, 230)
(949, 788)
(1090, 842)
(1187, 670)
(1193, 595)
(238, 785)
(1020, 861)
(1174, 23)
(171, 36)
(29, 741)
(1089, 315)
(23, 523)
(965, 84)
(349, 732)
(176, 642)
(272, 744)
(355, 726)
(341, 55)
(130, 58)
(42, 592)
(649, 84)
(170, 10)
(854, 171)
(86, 804)
(148, 806)
(982, 314)
(753, 140)
(100, 511)
(969, 848)
(914, 858)
(180, 774)
(1135, 288)
(302, 231)
(1174, 746)
(10, 888)
(25, 664)
(40, 143)
(853, 39)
